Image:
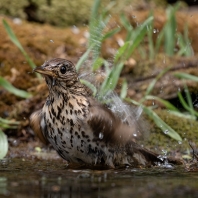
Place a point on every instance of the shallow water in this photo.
(42, 178)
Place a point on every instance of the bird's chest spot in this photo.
(64, 122)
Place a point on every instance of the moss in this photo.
(13, 8)
(186, 128)
(61, 13)
(65, 12)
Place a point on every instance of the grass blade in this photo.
(169, 32)
(185, 105)
(121, 51)
(188, 97)
(139, 36)
(89, 85)
(166, 103)
(97, 63)
(158, 121)
(153, 82)
(123, 92)
(2, 120)
(3, 145)
(111, 80)
(125, 22)
(9, 87)
(182, 115)
(127, 25)
(186, 76)
(159, 40)
(111, 33)
(14, 39)
(83, 58)
(150, 40)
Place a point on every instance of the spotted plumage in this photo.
(81, 129)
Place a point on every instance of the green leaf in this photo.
(182, 115)
(89, 85)
(188, 96)
(159, 39)
(2, 120)
(153, 82)
(188, 48)
(97, 63)
(150, 39)
(124, 88)
(9, 87)
(111, 33)
(95, 10)
(158, 121)
(14, 39)
(3, 145)
(8, 124)
(185, 105)
(139, 36)
(170, 30)
(121, 51)
(166, 103)
(181, 43)
(12, 35)
(107, 67)
(111, 80)
(83, 58)
(125, 22)
(186, 76)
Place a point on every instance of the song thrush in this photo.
(81, 129)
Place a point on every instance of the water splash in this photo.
(101, 135)
(129, 115)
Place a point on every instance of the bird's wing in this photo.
(35, 119)
(106, 126)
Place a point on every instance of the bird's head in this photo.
(58, 72)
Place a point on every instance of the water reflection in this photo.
(53, 179)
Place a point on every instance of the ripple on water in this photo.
(55, 179)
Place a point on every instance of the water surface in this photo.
(54, 179)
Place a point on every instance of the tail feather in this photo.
(154, 158)
(146, 157)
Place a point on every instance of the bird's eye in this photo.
(63, 69)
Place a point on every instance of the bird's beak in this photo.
(44, 71)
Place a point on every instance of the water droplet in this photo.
(53, 81)
(165, 153)
(101, 135)
(17, 21)
(179, 142)
(166, 131)
(86, 34)
(75, 30)
(51, 41)
(135, 135)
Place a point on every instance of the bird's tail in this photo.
(148, 158)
